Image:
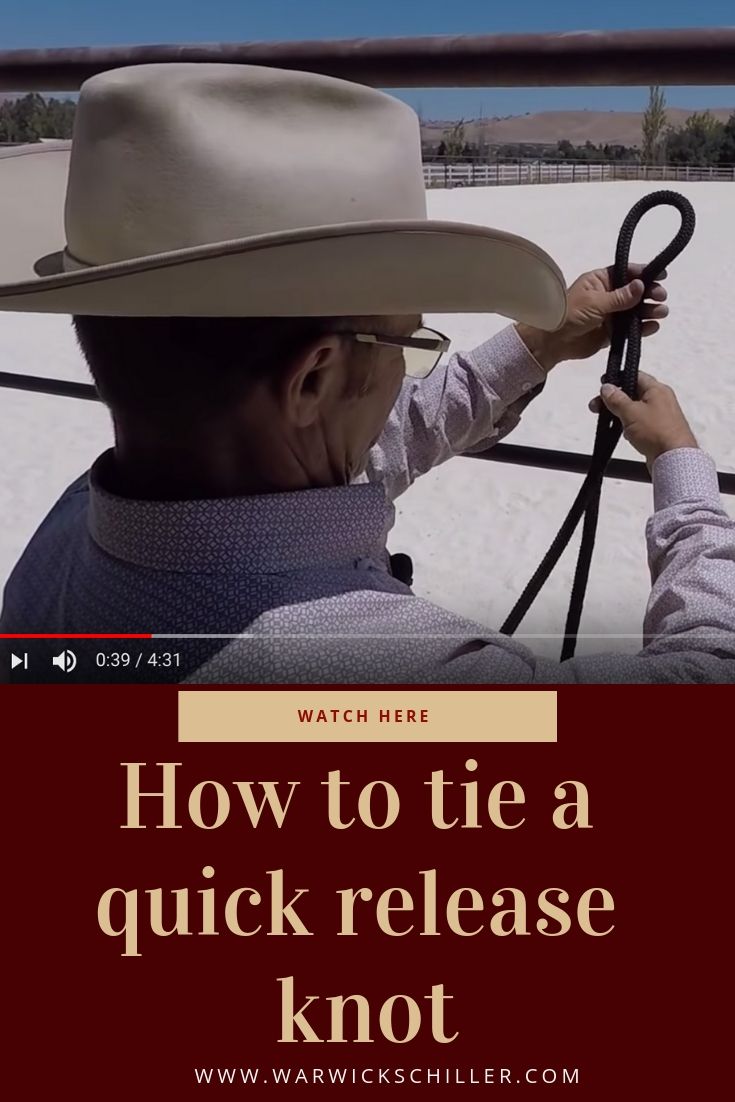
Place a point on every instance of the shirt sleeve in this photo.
(691, 555)
(689, 625)
(468, 405)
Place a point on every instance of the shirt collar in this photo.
(264, 533)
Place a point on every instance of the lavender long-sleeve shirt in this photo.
(302, 580)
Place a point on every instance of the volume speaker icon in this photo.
(66, 661)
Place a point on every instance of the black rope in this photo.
(622, 370)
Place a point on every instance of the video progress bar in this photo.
(77, 635)
(115, 635)
(118, 635)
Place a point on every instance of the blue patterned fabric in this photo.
(303, 579)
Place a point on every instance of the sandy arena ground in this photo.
(476, 530)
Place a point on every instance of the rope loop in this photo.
(622, 370)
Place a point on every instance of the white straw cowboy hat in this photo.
(233, 191)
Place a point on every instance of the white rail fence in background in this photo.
(528, 172)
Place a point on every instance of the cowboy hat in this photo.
(236, 190)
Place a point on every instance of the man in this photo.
(251, 330)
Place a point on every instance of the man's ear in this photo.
(310, 379)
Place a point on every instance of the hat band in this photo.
(71, 263)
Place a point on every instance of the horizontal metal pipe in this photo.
(628, 470)
(517, 454)
(63, 388)
(641, 57)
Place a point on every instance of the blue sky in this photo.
(109, 22)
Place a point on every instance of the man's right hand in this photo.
(655, 423)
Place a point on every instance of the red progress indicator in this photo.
(102, 635)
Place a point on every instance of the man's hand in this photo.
(591, 304)
(654, 424)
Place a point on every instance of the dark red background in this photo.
(639, 1012)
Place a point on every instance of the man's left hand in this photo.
(591, 303)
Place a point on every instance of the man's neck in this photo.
(215, 468)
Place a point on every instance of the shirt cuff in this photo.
(684, 474)
(507, 366)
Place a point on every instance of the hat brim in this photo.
(373, 268)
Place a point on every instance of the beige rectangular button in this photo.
(367, 715)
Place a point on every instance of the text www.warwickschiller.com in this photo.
(337, 1077)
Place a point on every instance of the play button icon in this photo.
(15, 661)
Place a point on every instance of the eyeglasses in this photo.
(421, 351)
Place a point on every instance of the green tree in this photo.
(31, 118)
(7, 123)
(654, 126)
(727, 150)
(454, 141)
(30, 115)
(699, 141)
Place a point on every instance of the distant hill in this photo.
(543, 128)
(550, 127)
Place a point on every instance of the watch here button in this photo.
(367, 715)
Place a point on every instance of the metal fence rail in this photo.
(482, 174)
(695, 56)
(520, 455)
